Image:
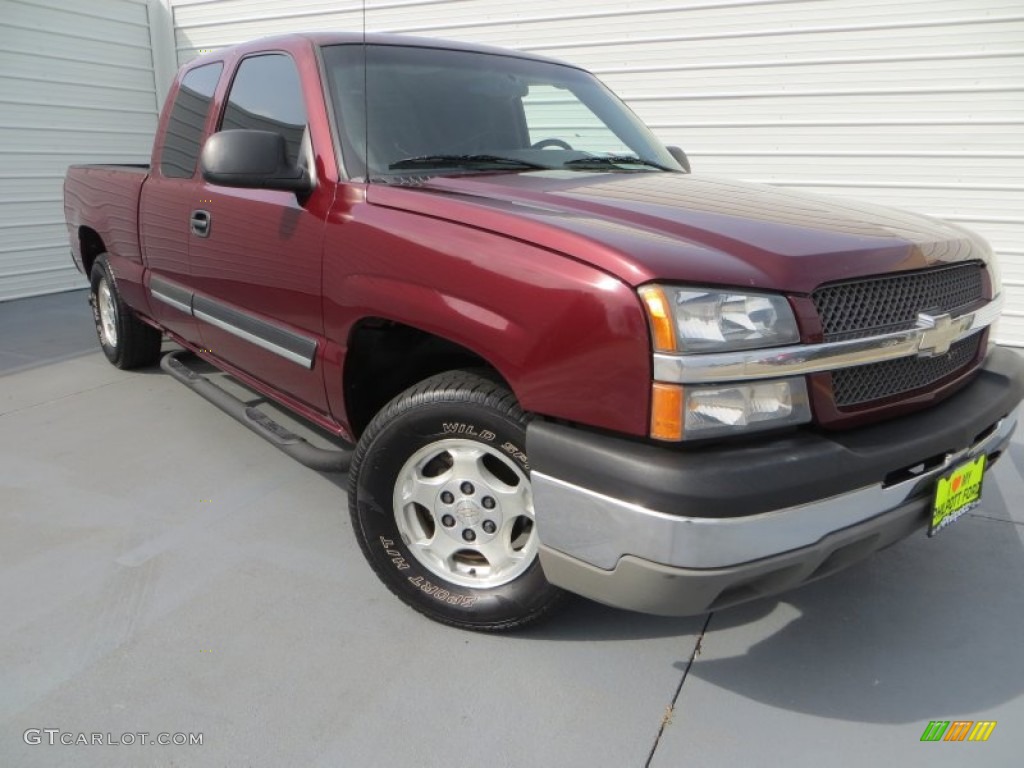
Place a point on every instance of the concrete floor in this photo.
(163, 570)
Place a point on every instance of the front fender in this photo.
(570, 339)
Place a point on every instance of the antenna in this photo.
(366, 105)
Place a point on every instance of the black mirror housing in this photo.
(680, 157)
(253, 160)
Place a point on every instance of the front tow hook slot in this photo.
(917, 470)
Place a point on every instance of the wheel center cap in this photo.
(468, 513)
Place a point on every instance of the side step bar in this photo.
(320, 459)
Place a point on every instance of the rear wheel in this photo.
(440, 498)
(126, 341)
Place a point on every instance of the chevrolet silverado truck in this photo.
(550, 358)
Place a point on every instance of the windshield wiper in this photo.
(466, 161)
(605, 160)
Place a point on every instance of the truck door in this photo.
(255, 254)
(165, 203)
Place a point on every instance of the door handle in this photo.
(199, 223)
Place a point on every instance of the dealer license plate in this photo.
(957, 492)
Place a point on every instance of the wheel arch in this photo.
(385, 357)
(90, 245)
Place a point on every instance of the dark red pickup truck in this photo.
(551, 358)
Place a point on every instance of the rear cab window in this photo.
(180, 152)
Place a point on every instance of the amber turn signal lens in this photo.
(666, 411)
(660, 315)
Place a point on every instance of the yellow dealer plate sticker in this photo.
(957, 492)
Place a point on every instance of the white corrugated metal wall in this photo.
(918, 104)
(76, 86)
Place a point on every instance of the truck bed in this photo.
(104, 199)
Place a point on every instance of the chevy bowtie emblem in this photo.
(940, 331)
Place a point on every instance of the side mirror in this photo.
(252, 159)
(680, 157)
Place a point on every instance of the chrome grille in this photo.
(879, 305)
(875, 381)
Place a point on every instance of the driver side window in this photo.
(266, 95)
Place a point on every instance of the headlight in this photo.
(703, 320)
(732, 408)
(692, 320)
(693, 412)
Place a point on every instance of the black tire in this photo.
(128, 342)
(455, 414)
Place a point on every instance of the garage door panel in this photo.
(60, 118)
(1012, 263)
(72, 142)
(753, 51)
(826, 72)
(124, 11)
(18, 188)
(51, 162)
(50, 68)
(764, 135)
(189, 15)
(761, 37)
(973, 175)
(1002, 104)
(31, 213)
(1010, 331)
(110, 51)
(77, 86)
(1014, 299)
(546, 21)
(81, 21)
(50, 256)
(14, 239)
(191, 40)
(1000, 235)
(29, 93)
(39, 282)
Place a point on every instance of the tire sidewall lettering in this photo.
(462, 429)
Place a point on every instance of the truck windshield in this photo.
(430, 111)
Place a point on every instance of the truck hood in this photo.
(699, 229)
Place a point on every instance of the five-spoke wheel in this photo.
(466, 512)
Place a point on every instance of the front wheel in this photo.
(441, 502)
